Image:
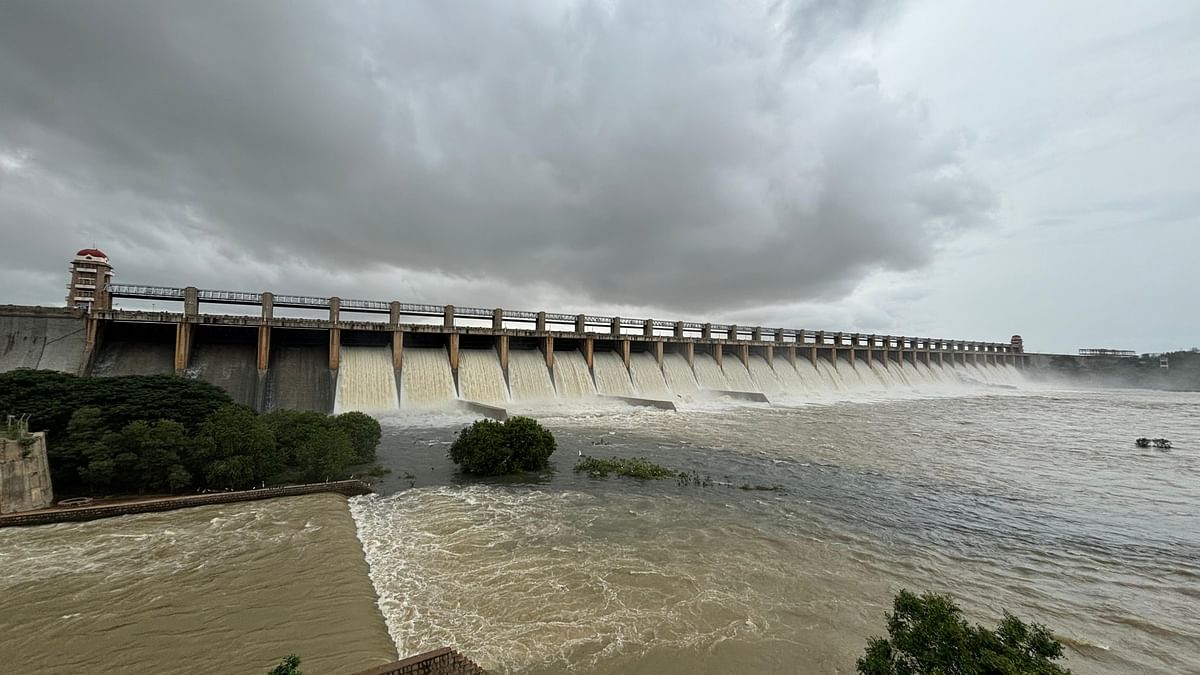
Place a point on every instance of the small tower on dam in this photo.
(90, 276)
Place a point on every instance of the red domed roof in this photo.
(94, 252)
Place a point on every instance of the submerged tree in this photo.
(928, 636)
(491, 448)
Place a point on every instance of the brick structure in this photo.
(444, 661)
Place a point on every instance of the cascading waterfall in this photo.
(708, 372)
(426, 380)
(528, 376)
(737, 375)
(790, 380)
(829, 376)
(366, 380)
(680, 378)
(648, 379)
(764, 376)
(612, 377)
(571, 376)
(480, 377)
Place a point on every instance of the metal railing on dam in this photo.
(541, 322)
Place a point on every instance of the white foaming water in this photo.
(425, 378)
(887, 377)
(737, 375)
(480, 377)
(708, 373)
(366, 380)
(647, 377)
(528, 376)
(611, 375)
(764, 376)
(571, 376)
(829, 376)
(679, 376)
(789, 377)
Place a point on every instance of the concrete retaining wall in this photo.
(444, 661)
(50, 339)
(24, 475)
(83, 513)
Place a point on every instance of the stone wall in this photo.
(24, 475)
(444, 661)
(82, 513)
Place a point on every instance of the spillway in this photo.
(708, 372)
(647, 377)
(830, 380)
(232, 367)
(572, 379)
(121, 357)
(426, 380)
(480, 377)
(611, 375)
(764, 376)
(737, 375)
(366, 380)
(789, 378)
(679, 376)
(528, 376)
(299, 379)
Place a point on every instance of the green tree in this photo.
(324, 453)
(490, 448)
(142, 456)
(67, 455)
(289, 666)
(928, 636)
(235, 448)
(364, 433)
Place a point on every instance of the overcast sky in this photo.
(954, 169)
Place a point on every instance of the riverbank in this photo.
(75, 514)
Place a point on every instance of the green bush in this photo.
(928, 636)
(364, 434)
(490, 448)
(141, 457)
(289, 666)
(633, 468)
(531, 443)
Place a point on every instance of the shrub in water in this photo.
(490, 448)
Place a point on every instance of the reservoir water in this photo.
(1035, 501)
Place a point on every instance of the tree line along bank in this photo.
(165, 434)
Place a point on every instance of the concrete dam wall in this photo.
(273, 363)
(46, 340)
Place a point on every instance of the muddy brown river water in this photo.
(1035, 501)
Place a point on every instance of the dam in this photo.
(376, 356)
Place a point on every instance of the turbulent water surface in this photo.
(1035, 502)
(214, 589)
(781, 556)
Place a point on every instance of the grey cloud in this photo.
(671, 155)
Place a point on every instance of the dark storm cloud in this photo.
(690, 157)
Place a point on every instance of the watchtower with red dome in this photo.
(90, 276)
